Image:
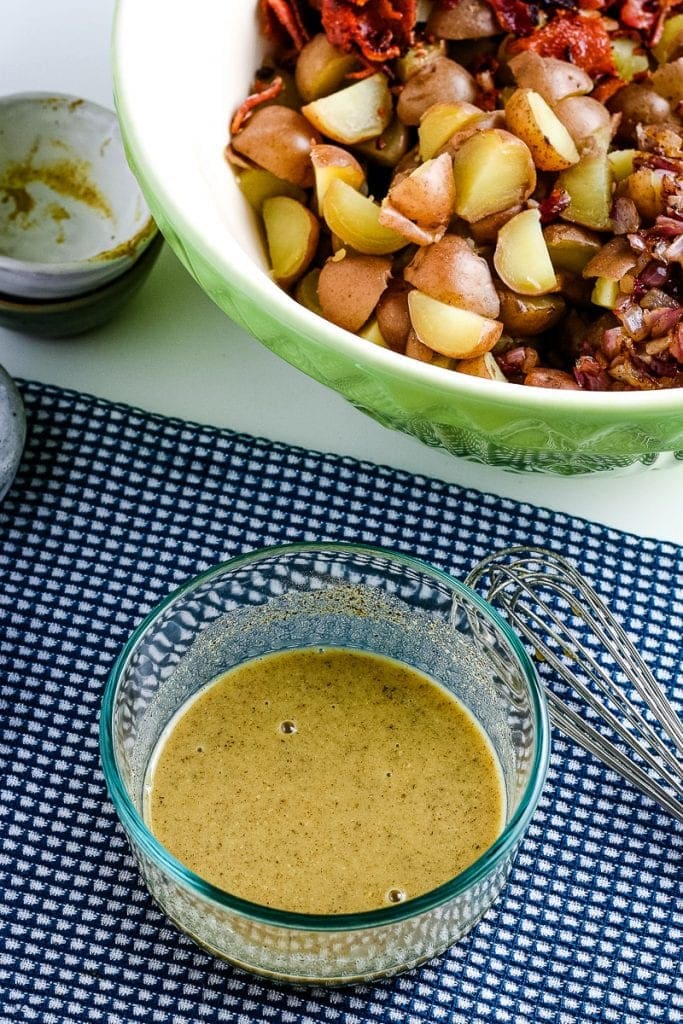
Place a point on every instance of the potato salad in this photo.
(490, 186)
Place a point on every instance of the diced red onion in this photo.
(676, 346)
(654, 275)
(674, 253)
(612, 341)
(633, 320)
(660, 321)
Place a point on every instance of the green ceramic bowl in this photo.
(180, 72)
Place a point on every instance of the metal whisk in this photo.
(554, 608)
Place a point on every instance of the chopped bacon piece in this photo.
(590, 374)
(285, 14)
(578, 38)
(607, 87)
(640, 14)
(521, 18)
(516, 16)
(380, 29)
(255, 99)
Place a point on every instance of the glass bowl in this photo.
(175, 127)
(332, 595)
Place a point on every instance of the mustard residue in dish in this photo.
(325, 781)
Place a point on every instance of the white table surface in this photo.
(172, 351)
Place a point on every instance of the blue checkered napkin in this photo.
(111, 510)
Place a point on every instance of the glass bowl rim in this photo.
(141, 836)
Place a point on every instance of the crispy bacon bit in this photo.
(578, 38)
(552, 206)
(261, 95)
(285, 14)
(521, 18)
(516, 16)
(640, 14)
(590, 374)
(544, 377)
(517, 362)
(380, 29)
(606, 87)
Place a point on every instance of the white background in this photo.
(172, 351)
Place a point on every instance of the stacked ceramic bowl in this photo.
(76, 236)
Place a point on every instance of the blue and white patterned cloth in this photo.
(111, 510)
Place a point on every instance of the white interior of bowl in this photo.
(177, 121)
(72, 215)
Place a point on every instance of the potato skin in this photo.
(532, 120)
(638, 103)
(450, 270)
(393, 315)
(440, 81)
(320, 68)
(551, 78)
(587, 121)
(279, 140)
(528, 315)
(349, 288)
(469, 19)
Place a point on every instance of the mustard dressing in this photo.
(325, 781)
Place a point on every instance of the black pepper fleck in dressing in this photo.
(325, 782)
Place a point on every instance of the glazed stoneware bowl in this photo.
(72, 216)
(75, 314)
(175, 127)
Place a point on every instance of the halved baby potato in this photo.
(589, 187)
(441, 121)
(372, 333)
(571, 246)
(530, 118)
(493, 171)
(425, 198)
(588, 122)
(441, 80)
(452, 272)
(292, 233)
(306, 291)
(388, 148)
(551, 78)
(454, 332)
(484, 366)
(521, 256)
(279, 140)
(334, 162)
(257, 185)
(621, 163)
(354, 219)
(321, 68)
(358, 112)
(528, 315)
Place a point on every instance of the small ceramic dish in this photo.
(12, 431)
(72, 216)
(62, 318)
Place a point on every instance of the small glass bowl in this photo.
(333, 595)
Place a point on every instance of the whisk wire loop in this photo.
(536, 588)
(519, 613)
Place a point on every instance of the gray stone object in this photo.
(12, 431)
